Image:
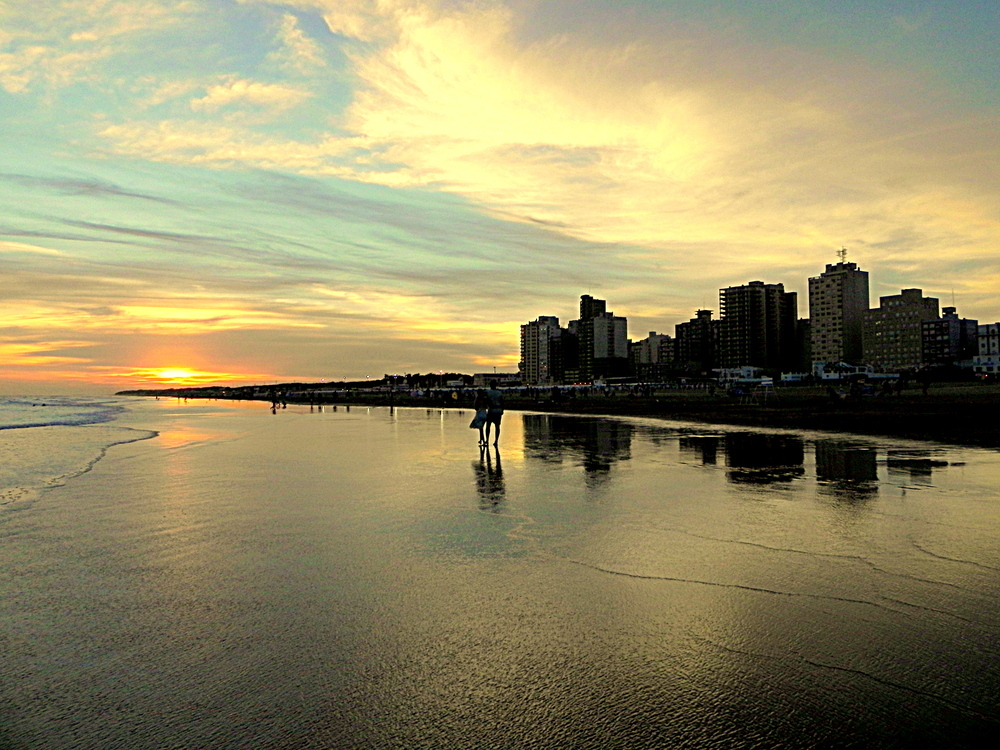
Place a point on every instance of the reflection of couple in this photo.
(489, 476)
(489, 412)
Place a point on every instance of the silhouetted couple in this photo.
(489, 412)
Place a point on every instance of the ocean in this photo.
(201, 574)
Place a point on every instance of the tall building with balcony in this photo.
(541, 351)
(758, 327)
(838, 301)
(893, 331)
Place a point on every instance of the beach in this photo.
(960, 413)
(218, 575)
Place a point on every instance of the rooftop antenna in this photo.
(842, 254)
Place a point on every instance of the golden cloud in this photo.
(193, 317)
(21, 247)
(272, 96)
(57, 43)
(298, 53)
(33, 353)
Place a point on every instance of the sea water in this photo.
(370, 578)
(46, 440)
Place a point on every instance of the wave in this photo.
(67, 437)
(52, 411)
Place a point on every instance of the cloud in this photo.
(226, 146)
(82, 187)
(21, 353)
(297, 52)
(57, 43)
(20, 247)
(661, 143)
(271, 96)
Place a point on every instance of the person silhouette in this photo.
(494, 413)
(481, 405)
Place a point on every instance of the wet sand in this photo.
(366, 578)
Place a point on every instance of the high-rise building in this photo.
(652, 357)
(949, 339)
(696, 343)
(591, 308)
(541, 351)
(838, 300)
(603, 340)
(758, 327)
(893, 331)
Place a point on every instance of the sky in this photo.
(250, 191)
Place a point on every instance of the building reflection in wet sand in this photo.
(919, 465)
(845, 468)
(848, 470)
(703, 447)
(597, 444)
(756, 458)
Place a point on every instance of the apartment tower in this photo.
(541, 360)
(893, 331)
(758, 326)
(838, 301)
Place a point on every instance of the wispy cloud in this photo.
(56, 43)
(271, 96)
(27, 353)
(297, 52)
(75, 186)
(21, 247)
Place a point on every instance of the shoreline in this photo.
(957, 414)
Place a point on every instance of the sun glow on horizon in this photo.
(183, 376)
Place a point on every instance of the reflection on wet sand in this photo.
(703, 447)
(489, 479)
(918, 465)
(596, 443)
(847, 470)
(756, 458)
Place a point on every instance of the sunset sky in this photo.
(258, 191)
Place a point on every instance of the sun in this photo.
(185, 376)
(177, 375)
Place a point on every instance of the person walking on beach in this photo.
(481, 405)
(495, 411)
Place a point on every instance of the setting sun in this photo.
(176, 374)
(184, 376)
